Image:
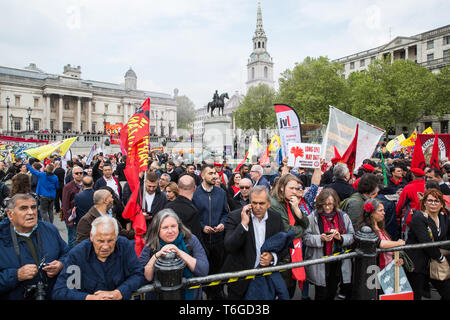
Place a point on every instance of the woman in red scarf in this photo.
(330, 231)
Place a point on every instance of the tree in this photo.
(185, 112)
(312, 86)
(256, 111)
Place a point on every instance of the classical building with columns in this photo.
(33, 100)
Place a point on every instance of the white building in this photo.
(67, 103)
(430, 49)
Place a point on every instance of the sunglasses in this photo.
(77, 173)
(245, 187)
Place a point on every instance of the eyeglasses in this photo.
(328, 204)
(433, 201)
(244, 187)
(77, 173)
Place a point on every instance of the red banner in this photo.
(426, 141)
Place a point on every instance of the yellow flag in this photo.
(411, 141)
(275, 143)
(394, 144)
(254, 149)
(428, 130)
(59, 147)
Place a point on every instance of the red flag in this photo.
(349, 156)
(265, 157)
(135, 139)
(418, 160)
(241, 164)
(434, 161)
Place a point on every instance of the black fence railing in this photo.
(365, 255)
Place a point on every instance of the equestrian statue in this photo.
(218, 102)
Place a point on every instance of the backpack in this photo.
(343, 203)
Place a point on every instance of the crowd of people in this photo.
(215, 219)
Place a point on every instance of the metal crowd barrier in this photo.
(365, 255)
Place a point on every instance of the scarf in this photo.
(296, 252)
(330, 221)
(180, 244)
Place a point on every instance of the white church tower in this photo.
(260, 63)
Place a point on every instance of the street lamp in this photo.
(29, 119)
(104, 123)
(11, 118)
(7, 115)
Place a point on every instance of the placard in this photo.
(386, 278)
(304, 155)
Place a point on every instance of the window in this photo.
(94, 124)
(259, 44)
(446, 54)
(263, 44)
(119, 108)
(93, 106)
(35, 125)
(17, 101)
(106, 107)
(444, 126)
(52, 125)
(430, 44)
(253, 73)
(362, 63)
(17, 124)
(36, 102)
(266, 72)
(352, 65)
(66, 106)
(430, 56)
(446, 40)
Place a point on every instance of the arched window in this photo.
(253, 73)
(266, 72)
(259, 44)
(263, 44)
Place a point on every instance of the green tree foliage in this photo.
(312, 86)
(185, 112)
(256, 111)
(443, 91)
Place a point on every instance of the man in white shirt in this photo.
(109, 180)
(154, 199)
(246, 229)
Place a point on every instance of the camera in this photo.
(36, 291)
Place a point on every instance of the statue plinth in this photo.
(218, 134)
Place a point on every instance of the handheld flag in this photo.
(434, 161)
(349, 157)
(44, 151)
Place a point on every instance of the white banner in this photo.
(304, 155)
(340, 132)
(288, 126)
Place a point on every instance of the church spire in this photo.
(259, 32)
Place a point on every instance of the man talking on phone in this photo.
(246, 229)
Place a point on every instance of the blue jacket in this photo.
(213, 210)
(121, 271)
(47, 183)
(53, 247)
(263, 182)
(83, 201)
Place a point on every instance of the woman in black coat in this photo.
(428, 225)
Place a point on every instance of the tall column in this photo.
(78, 120)
(47, 113)
(125, 113)
(60, 114)
(89, 116)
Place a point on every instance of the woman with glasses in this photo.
(429, 224)
(330, 231)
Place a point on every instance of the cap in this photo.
(217, 164)
(418, 172)
(368, 167)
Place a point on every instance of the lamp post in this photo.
(104, 123)
(29, 119)
(7, 115)
(11, 118)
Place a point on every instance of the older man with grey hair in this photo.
(256, 174)
(103, 267)
(341, 176)
(242, 198)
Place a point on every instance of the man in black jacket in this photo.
(184, 207)
(340, 184)
(246, 230)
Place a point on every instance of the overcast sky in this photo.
(198, 46)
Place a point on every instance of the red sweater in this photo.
(410, 192)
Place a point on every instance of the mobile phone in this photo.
(249, 211)
(328, 233)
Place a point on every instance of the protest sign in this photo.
(304, 155)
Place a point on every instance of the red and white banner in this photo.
(304, 155)
(289, 126)
(423, 149)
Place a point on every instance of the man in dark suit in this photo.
(84, 200)
(246, 230)
(257, 175)
(437, 175)
(340, 181)
(108, 179)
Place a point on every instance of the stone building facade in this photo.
(33, 99)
